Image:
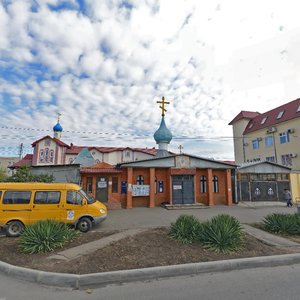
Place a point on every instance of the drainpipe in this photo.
(275, 154)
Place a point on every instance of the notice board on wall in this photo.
(140, 190)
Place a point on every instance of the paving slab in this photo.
(270, 239)
(91, 247)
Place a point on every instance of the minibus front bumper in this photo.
(98, 220)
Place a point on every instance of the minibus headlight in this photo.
(102, 210)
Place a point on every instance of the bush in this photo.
(222, 233)
(45, 236)
(282, 223)
(185, 229)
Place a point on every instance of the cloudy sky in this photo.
(103, 64)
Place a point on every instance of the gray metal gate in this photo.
(264, 191)
(183, 189)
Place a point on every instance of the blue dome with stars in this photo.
(57, 127)
(163, 134)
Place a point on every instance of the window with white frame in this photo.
(263, 121)
(280, 114)
(215, 180)
(286, 160)
(269, 141)
(203, 184)
(255, 144)
(140, 180)
(284, 137)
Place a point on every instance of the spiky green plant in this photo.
(222, 233)
(45, 236)
(282, 223)
(185, 229)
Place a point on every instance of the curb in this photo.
(118, 277)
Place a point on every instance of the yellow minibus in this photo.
(26, 203)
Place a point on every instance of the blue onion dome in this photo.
(57, 127)
(163, 134)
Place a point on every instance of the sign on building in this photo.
(140, 190)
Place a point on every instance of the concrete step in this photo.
(185, 206)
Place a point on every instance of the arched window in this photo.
(140, 180)
(51, 155)
(47, 154)
(270, 192)
(203, 184)
(41, 155)
(215, 184)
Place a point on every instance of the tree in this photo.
(3, 175)
(23, 174)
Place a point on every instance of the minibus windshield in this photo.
(90, 199)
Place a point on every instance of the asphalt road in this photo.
(275, 283)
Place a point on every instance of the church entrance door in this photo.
(183, 189)
(102, 189)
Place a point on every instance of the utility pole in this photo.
(21, 150)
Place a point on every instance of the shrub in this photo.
(45, 236)
(185, 229)
(282, 223)
(222, 233)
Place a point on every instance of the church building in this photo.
(166, 178)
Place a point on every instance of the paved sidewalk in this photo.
(91, 247)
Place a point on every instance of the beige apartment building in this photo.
(272, 136)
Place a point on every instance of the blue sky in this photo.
(104, 64)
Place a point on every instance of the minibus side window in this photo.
(47, 198)
(17, 197)
(74, 198)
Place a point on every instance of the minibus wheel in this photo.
(84, 224)
(14, 228)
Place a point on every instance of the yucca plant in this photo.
(282, 223)
(45, 236)
(185, 229)
(222, 233)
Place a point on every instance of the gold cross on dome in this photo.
(162, 106)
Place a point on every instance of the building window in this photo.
(115, 184)
(47, 142)
(255, 144)
(127, 154)
(270, 158)
(284, 137)
(89, 185)
(286, 160)
(270, 192)
(140, 180)
(268, 141)
(263, 121)
(51, 155)
(203, 184)
(41, 155)
(46, 154)
(215, 184)
(280, 114)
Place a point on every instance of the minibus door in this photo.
(74, 208)
(46, 205)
